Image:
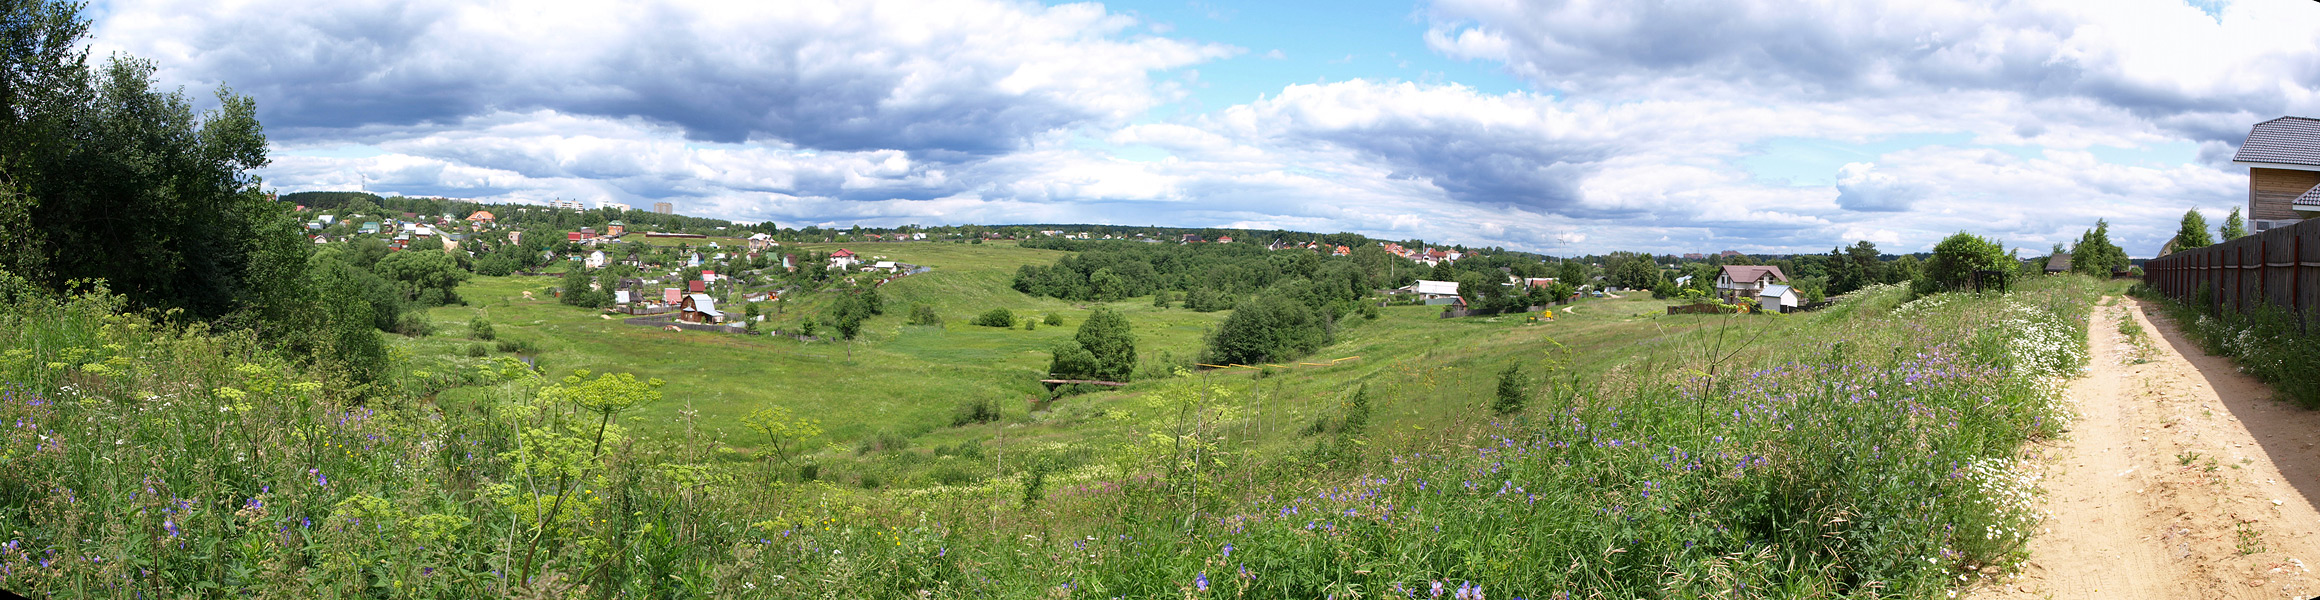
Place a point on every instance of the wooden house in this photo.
(1740, 281)
(2283, 160)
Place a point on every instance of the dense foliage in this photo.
(1957, 258)
(2095, 254)
(1103, 349)
(2193, 233)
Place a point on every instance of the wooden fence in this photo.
(2279, 267)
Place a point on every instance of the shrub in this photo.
(1030, 325)
(478, 351)
(983, 410)
(997, 317)
(1514, 391)
(480, 329)
(1054, 319)
(883, 441)
(510, 346)
(921, 314)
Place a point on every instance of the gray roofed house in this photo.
(2059, 263)
(2283, 160)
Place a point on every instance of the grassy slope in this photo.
(1430, 374)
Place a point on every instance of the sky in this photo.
(1561, 127)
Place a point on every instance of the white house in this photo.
(1777, 298)
(844, 258)
(1433, 292)
(596, 259)
(1740, 281)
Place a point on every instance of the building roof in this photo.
(1437, 287)
(842, 253)
(2285, 140)
(1743, 273)
(1774, 290)
(2058, 263)
(481, 215)
(2310, 197)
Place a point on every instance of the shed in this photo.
(1777, 298)
(2059, 263)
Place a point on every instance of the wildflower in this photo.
(1228, 550)
(1437, 588)
(1200, 581)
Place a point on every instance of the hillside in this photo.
(1821, 454)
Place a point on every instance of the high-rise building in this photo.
(664, 208)
(567, 204)
(612, 205)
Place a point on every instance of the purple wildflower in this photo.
(1200, 581)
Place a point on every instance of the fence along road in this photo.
(2279, 267)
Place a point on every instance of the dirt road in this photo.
(2180, 478)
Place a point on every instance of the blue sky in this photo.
(1555, 126)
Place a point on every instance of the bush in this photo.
(1054, 319)
(510, 346)
(883, 441)
(1514, 391)
(921, 314)
(1030, 325)
(480, 329)
(478, 351)
(997, 317)
(976, 411)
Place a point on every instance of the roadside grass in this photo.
(2270, 342)
(1861, 450)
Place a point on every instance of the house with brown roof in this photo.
(1742, 281)
(2283, 160)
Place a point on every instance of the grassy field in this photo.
(908, 380)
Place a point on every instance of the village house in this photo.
(482, 218)
(760, 241)
(1739, 281)
(699, 308)
(1433, 292)
(595, 260)
(2059, 263)
(2283, 160)
(843, 258)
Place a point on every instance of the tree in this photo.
(1514, 391)
(2234, 227)
(1636, 273)
(1267, 328)
(1573, 272)
(1106, 336)
(1956, 259)
(2096, 255)
(2193, 234)
(429, 278)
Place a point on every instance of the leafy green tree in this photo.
(2234, 227)
(346, 324)
(1267, 328)
(1573, 272)
(429, 278)
(2193, 234)
(1637, 273)
(1956, 259)
(2095, 254)
(1108, 339)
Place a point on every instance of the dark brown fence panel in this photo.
(2280, 267)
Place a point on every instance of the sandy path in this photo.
(2181, 478)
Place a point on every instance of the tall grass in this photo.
(1861, 453)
